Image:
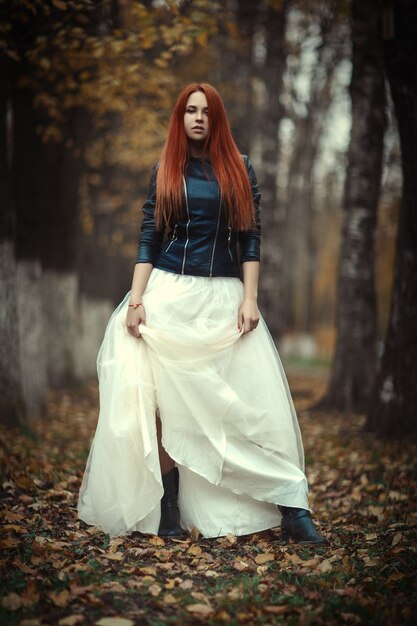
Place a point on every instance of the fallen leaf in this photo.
(264, 558)
(294, 559)
(156, 541)
(59, 598)
(115, 621)
(195, 533)
(371, 536)
(195, 550)
(186, 584)
(351, 618)
(71, 620)
(397, 538)
(148, 570)
(278, 610)
(202, 610)
(325, 566)
(116, 556)
(240, 565)
(154, 589)
(169, 599)
(12, 602)
(312, 563)
(10, 542)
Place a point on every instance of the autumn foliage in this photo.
(57, 570)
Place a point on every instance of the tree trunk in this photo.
(26, 175)
(299, 245)
(355, 358)
(393, 406)
(12, 409)
(242, 70)
(271, 287)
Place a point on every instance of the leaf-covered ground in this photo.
(58, 571)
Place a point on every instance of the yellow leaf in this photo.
(115, 621)
(325, 566)
(240, 565)
(277, 610)
(311, 563)
(154, 589)
(117, 556)
(371, 536)
(202, 610)
(59, 598)
(148, 570)
(148, 579)
(187, 584)
(264, 558)
(114, 544)
(195, 550)
(156, 541)
(397, 538)
(71, 620)
(294, 559)
(169, 599)
(194, 533)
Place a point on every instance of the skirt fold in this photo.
(227, 416)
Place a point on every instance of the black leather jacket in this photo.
(201, 243)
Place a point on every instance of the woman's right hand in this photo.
(135, 317)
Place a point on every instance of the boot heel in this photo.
(285, 537)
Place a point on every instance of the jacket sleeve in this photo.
(250, 240)
(150, 239)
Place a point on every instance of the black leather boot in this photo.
(170, 514)
(297, 525)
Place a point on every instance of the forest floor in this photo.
(58, 571)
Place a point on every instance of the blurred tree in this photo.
(274, 21)
(330, 34)
(354, 362)
(83, 77)
(393, 406)
(12, 407)
(243, 71)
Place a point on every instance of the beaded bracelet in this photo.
(135, 306)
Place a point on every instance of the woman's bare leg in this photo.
(165, 461)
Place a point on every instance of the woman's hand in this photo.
(248, 315)
(135, 317)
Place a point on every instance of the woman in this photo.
(197, 427)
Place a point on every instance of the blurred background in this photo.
(86, 93)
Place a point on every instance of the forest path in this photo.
(58, 571)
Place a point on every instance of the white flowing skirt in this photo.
(227, 416)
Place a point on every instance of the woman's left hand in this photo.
(248, 315)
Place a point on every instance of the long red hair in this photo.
(226, 161)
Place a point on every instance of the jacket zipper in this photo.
(228, 242)
(215, 238)
(174, 238)
(187, 226)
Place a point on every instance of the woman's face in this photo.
(196, 117)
